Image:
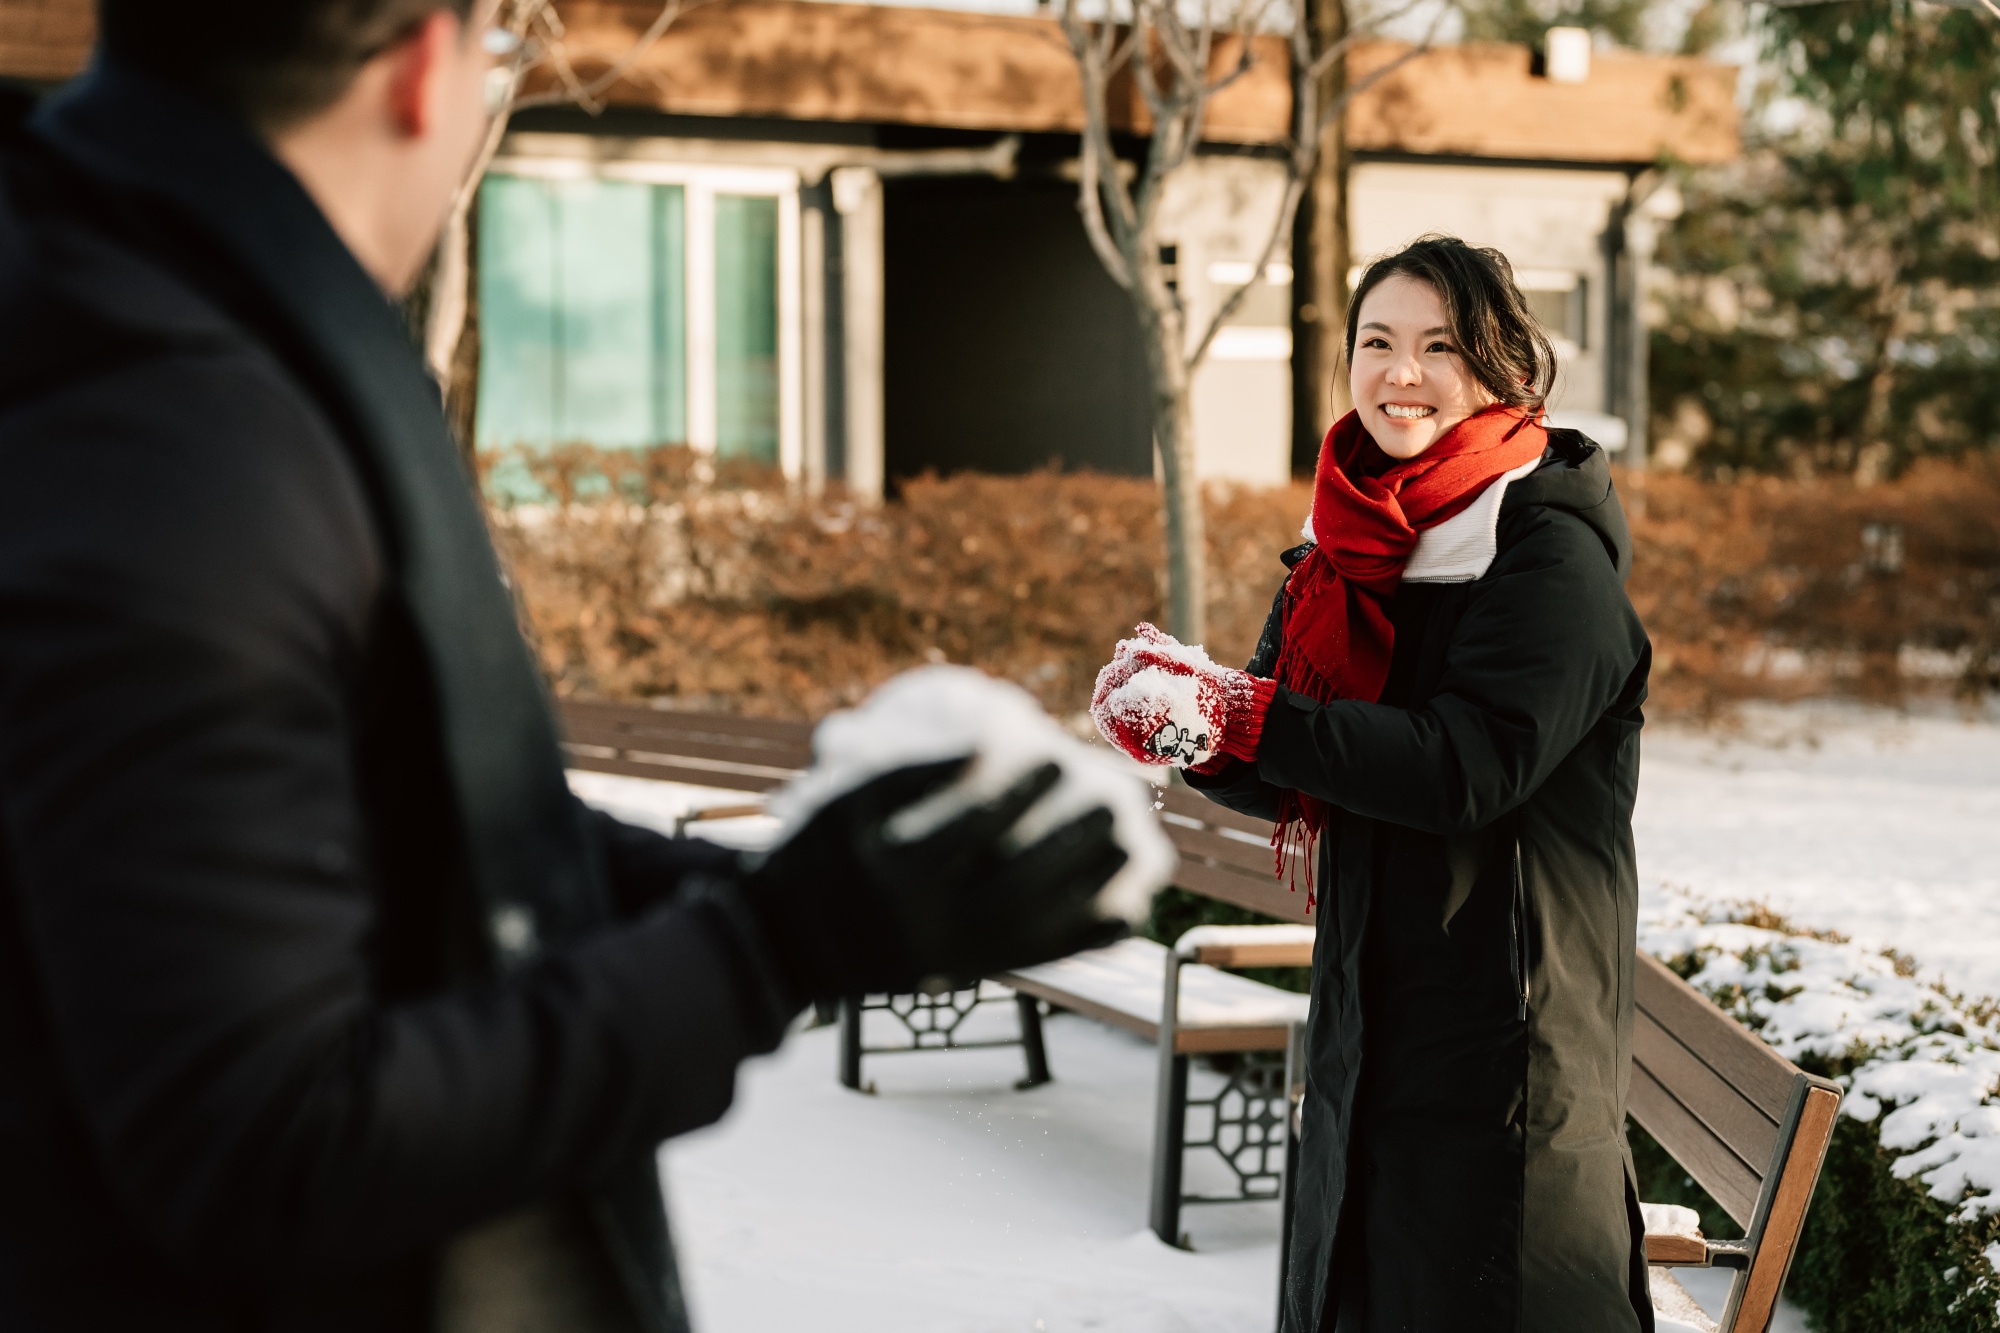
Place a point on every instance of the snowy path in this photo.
(1884, 827)
(949, 1203)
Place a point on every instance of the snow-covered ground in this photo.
(1880, 825)
(949, 1202)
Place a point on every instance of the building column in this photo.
(1630, 242)
(1642, 237)
(812, 314)
(857, 194)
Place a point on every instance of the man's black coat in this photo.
(309, 963)
(1463, 1163)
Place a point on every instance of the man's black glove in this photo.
(848, 910)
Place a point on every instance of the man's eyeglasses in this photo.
(510, 50)
(501, 43)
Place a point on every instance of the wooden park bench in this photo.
(1742, 1121)
(1745, 1123)
(1210, 1011)
(1186, 1001)
(746, 754)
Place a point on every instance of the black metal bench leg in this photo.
(1031, 1042)
(1169, 1136)
(850, 1042)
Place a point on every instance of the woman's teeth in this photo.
(1407, 413)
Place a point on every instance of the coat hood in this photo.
(1577, 478)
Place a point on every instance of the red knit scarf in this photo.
(1367, 511)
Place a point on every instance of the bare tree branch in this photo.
(1099, 52)
(1168, 50)
(1308, 132)
(588, 94)
(544, 46)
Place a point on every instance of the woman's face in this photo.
(1410, 385)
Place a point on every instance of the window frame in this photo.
(701, 183)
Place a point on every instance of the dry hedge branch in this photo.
(656, 574)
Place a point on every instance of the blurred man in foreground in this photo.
(323, 1004)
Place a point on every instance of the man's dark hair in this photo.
(273, 62)
(1503, 345)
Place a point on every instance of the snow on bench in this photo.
(1123, 986)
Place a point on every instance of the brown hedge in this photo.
(651, 576)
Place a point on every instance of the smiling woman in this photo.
(1444, 711)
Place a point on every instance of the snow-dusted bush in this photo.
(1904, 1233)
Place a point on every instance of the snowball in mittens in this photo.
(1156, 716)
(946, 712)
(1162, 701)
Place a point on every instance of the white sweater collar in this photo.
(1461, 548)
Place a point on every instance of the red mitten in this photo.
(1164, 702)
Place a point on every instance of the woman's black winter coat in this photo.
(1463, 1164)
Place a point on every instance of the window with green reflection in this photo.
(582, 313)
(746, 327)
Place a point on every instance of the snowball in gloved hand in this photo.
(1165, 702)
(949, 712)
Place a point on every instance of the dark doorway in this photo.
(1007, 345)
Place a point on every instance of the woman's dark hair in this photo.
(1502, 344)
(273, 62)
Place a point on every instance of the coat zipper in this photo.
(1519, 960)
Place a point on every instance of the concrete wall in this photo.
(1550, 222)
(983, 282)
(1218, 214)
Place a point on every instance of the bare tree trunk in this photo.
(1180, 500)
(461, 370)
(1176, 70)
(1322, 255)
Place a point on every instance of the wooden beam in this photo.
(807, 61)
(45, 40)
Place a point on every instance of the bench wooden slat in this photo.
(1732, 1117)
(1187, 1041)
(1122, 985)
(665, 771)
(642, 720)
(1787, 1214)
(674, 745)
(1184, 800)
(1205, 844)
(1263, 894)
(1215, 1041)
(1738, 1056)
(1728, 1180)
(1144, 1028)
(1255, 955)
(778, 759)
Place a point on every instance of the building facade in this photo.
(843, 240)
